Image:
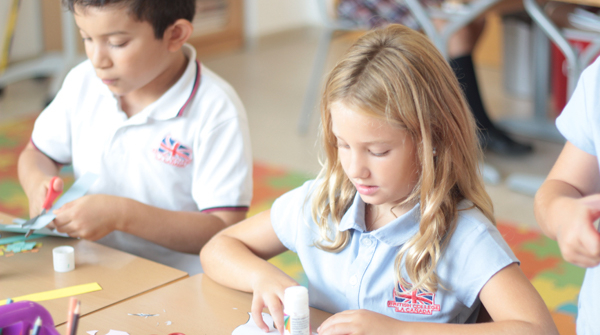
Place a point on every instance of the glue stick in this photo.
(295, 308)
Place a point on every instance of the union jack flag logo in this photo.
(415, 302)
(173, 152)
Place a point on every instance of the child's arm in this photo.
(94, 216)
(568, 203)
(35, 172)
(236, 257)
(511, 300)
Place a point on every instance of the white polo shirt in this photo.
(361, 276)
(579, 123)
(187, 151)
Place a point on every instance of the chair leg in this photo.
(314, 84)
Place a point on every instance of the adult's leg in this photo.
(460, 49)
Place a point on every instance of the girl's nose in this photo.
(358, 169)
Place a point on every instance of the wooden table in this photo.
(121, 275)
(195, 305)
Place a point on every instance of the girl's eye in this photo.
(379, 154)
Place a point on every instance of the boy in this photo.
(168, 138)
(568, 202)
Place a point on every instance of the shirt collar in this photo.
(174, 101)
(394, 233)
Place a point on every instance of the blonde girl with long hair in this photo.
(396, 235)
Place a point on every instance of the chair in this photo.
(457, 19)
(54, 64)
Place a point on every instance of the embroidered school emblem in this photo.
(415, 302)
(172, 152)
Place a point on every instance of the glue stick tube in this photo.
(295, 308)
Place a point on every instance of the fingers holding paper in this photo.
(90, 217)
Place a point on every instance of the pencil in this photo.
(75, 320)
(37, 326)
(71, 311)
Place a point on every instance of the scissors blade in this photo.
(30, 221)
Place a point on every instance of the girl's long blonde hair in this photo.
(396, 74)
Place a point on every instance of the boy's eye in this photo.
(117, 45)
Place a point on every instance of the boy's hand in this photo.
(90, 217)
(577, 238)
(269, 293)
(360, 321)
(39, 195)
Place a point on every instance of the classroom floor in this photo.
(271, 77)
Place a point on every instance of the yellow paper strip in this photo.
(59, 293)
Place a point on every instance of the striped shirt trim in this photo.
(45, 154)
(194, 89)
(226, 208)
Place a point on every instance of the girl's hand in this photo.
(269, 293)
(577, 238)
(359, 321)
(39, 195)
(90, 217)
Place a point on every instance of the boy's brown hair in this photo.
(159, 13)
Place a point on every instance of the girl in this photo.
(397, 227)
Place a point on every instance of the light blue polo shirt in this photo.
(579, 123)
(361, 276)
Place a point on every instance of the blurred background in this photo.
(273, 52)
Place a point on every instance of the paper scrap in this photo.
(59, 293)
(92, 332)
(250, 327)
(20, 246)
(168, 323)
(116, 332)
(145, 315)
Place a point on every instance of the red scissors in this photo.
(50, 197)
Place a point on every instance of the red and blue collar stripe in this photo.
(194, 89)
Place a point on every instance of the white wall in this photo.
(263, 17)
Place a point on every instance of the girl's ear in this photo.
(177, 34)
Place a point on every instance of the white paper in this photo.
(250, 327)
(116, 332)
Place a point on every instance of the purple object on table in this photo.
(19, 317)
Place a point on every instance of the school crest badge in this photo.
(415, 302)
(173, 152)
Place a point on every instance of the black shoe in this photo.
(498, 142)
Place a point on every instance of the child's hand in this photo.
(90, 217)
(37, 199)
(359, 321)
(269, 293)
(577, 238)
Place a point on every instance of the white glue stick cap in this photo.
(295, 300)
(64, 258)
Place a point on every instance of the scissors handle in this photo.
(50, 195)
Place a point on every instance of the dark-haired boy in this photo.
(168, 138)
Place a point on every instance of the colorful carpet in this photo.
(557, 281)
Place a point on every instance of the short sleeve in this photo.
(52, 130)
(475, 253)
(289, 212)
(223, 159)
(579, 118)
